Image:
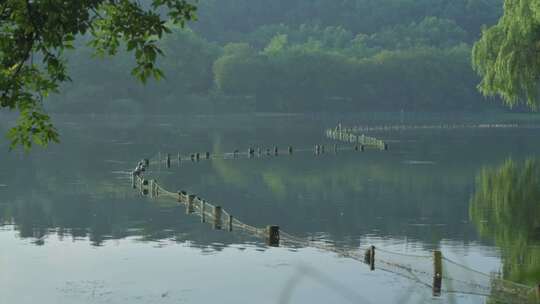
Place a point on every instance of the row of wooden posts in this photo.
(349, 137)
(317, 149)
(218, 217)
(222, 220)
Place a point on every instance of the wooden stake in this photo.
(203, 215)
(207, 155)
(276, 150)
(217, 217)
(290, 150)
(197, 156)
(189, 206)
(437, 273)
(272, 237)
(230, 223)
(372, 258)
(168, 160)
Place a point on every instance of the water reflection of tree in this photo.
(506, 208)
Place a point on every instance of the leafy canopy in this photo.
(34, 35)
(507, 55)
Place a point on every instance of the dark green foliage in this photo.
(35, 34)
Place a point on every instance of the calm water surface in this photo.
(73, 231)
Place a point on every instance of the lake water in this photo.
(72, 230)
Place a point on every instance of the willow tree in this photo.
(507, 55)
(34, 35)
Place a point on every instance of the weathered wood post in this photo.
(203, 212)
(230, 223)
(146, 162)
(133, 179)
(217, 217)
(168, 160)
(272, 236)
(189, 204)
(179, 158)
(251, 152)
(316, 149)
(276, 151)
(192, 157)
(437, 273)
(290, 150)
(372, 258)
(144, 190)
(207, 155)
(197, 156)
(179, 197)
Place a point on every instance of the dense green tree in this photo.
(507, 55)
(35, 34)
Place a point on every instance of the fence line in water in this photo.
(349, 135)
(403, 127)
(436, 271)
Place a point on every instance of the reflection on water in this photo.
(506, 208)
(413, 198)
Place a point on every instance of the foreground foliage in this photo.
(35, 34)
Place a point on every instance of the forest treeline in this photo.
(299, 56)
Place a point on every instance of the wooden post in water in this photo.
(372, 258)
(197, 156)
(276, 151)
(290, 150)
(230, 223)
(168, 160)
(179, 197)
(207, 155)
(179, 158)
(144, 190)
(146, 162)
(272, 236)
(192, 157)
(316, 149)
(203, 214)
(189, 204)
(217, 217)
(251, 152)
(133, 177)
(437, 273)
